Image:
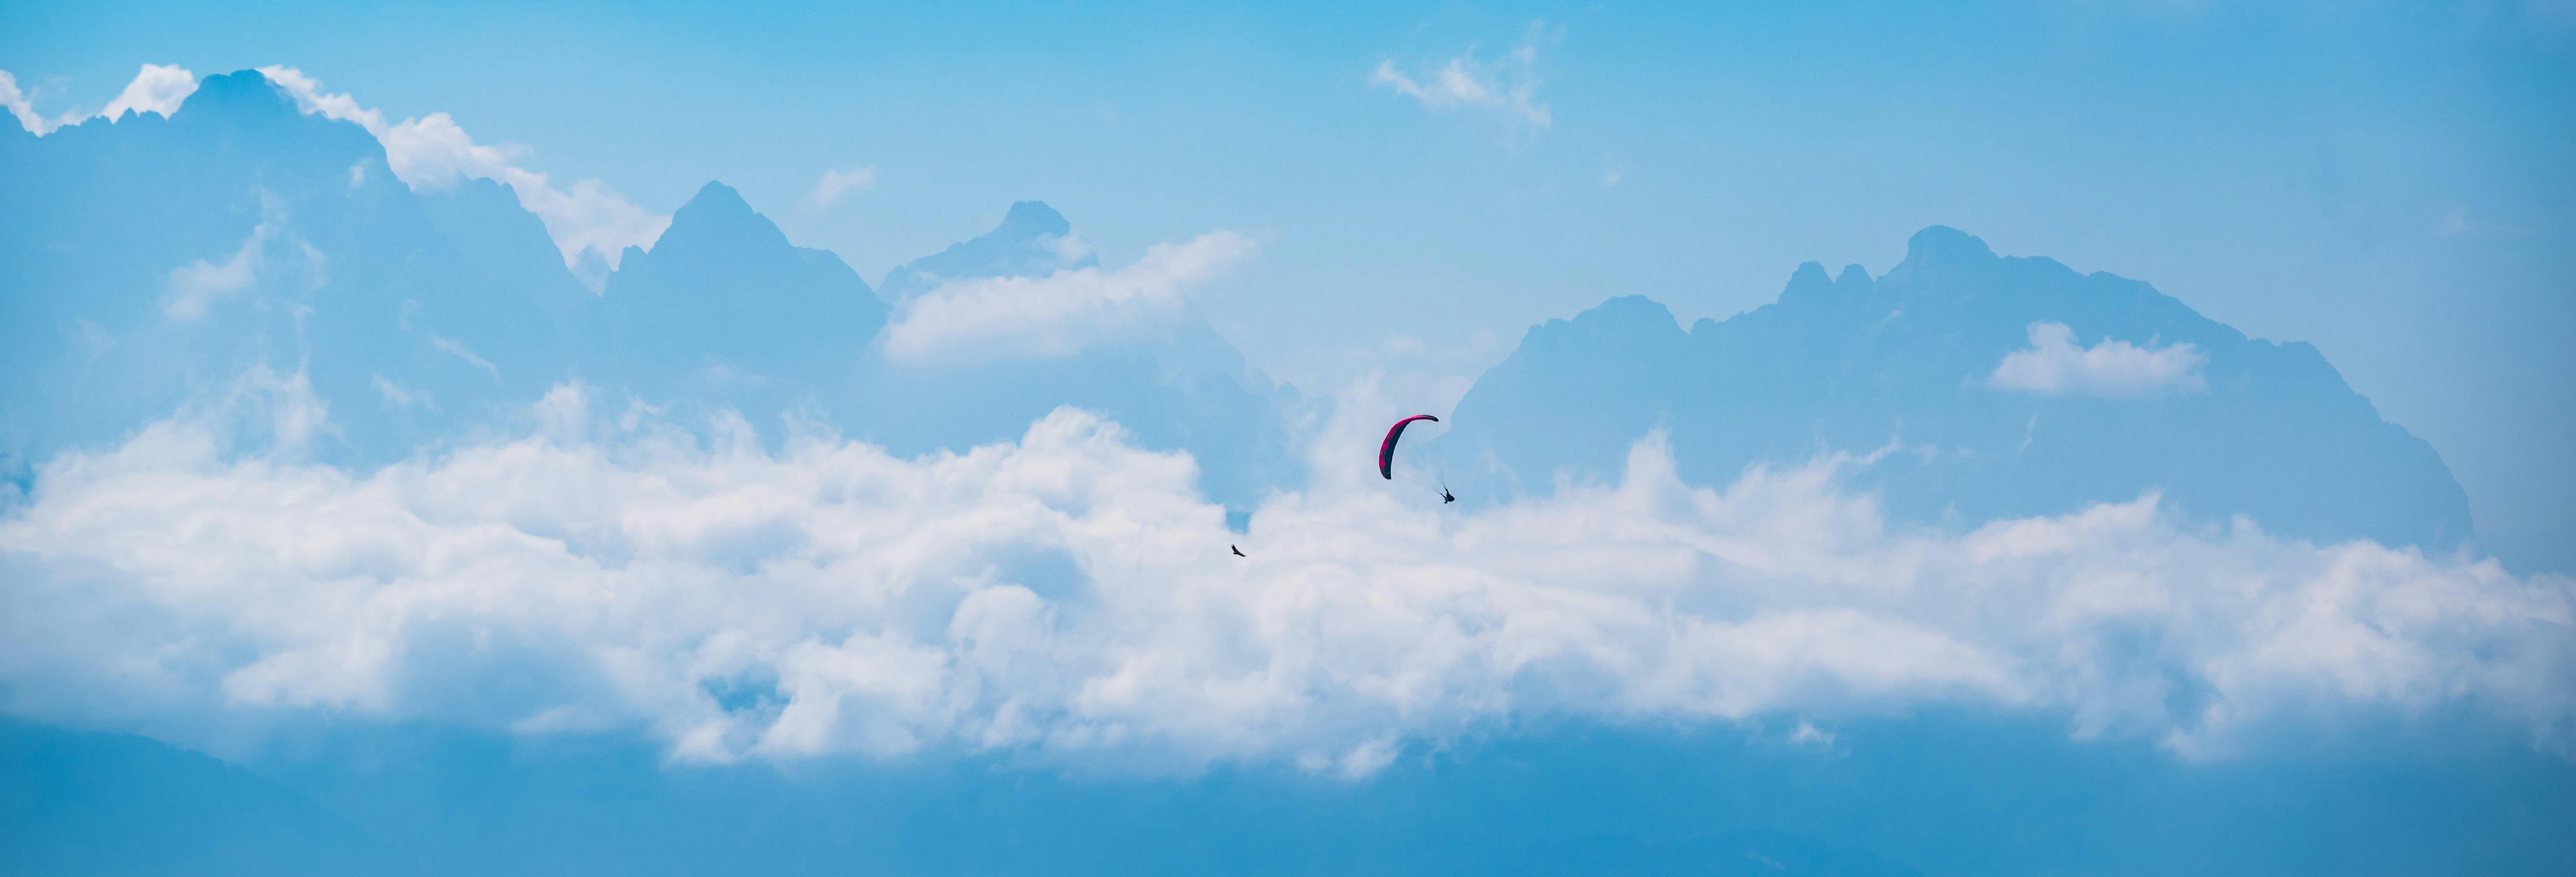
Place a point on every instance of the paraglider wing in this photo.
(1386, 450)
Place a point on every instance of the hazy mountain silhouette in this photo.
(514, 265)
(1185, 388)
(1032, 241)
(75, 802)
(150, 260)
(153, 259)
(1910, 361)
(725, 311)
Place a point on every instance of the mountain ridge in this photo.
(1907, 360)
(1029, 242)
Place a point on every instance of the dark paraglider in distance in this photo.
(1386, 454)
(1386, 449)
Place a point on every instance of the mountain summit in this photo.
(156, 259)
(1032, 241)
(244, 96)
(724, 297)
(1184, 388)
(2004, 387)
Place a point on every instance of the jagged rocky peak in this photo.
(1032, 240)
(716, 242)
(240, 94)
(1941, 256)
(718, 220)
(1807, 284)
(1030, 220)
(1941, 243)
(716, 202)
(1628, 313)
(1623, 326)
(1810, 286)
(1831, 367)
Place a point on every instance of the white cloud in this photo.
(1507, 86)
(158, 88)
(1067, 248)
(1069, 597)
(400, 396)
(193, 288)
(458, 349)
(433, 152)
(408, 320)
(21, 105)
(835, 184)
(1062, 313)
(190, 290)
(2055, 366)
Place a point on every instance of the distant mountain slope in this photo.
(1032, 241)
(2112, 406)
(150, 259)
(113, 804)
(1186, 388)
(515, 265)
(725, 310)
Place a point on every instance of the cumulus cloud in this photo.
(2055, 366)
(835, 184)
(1068, 597)
(1506, 86)
(157, 88)
(21, 105)
(433, 152)
(1062, 313)
(193, 288)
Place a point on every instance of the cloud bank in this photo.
(20, 105)
(1506, 86)
(1069, 598)
(433, 152)
(157, 88)
(2055, 366)
(1058, 315)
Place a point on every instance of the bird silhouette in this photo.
(1238, 552)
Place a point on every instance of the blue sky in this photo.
(1376, 203)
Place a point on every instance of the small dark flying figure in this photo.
(1238, 552)
(1386, 453)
